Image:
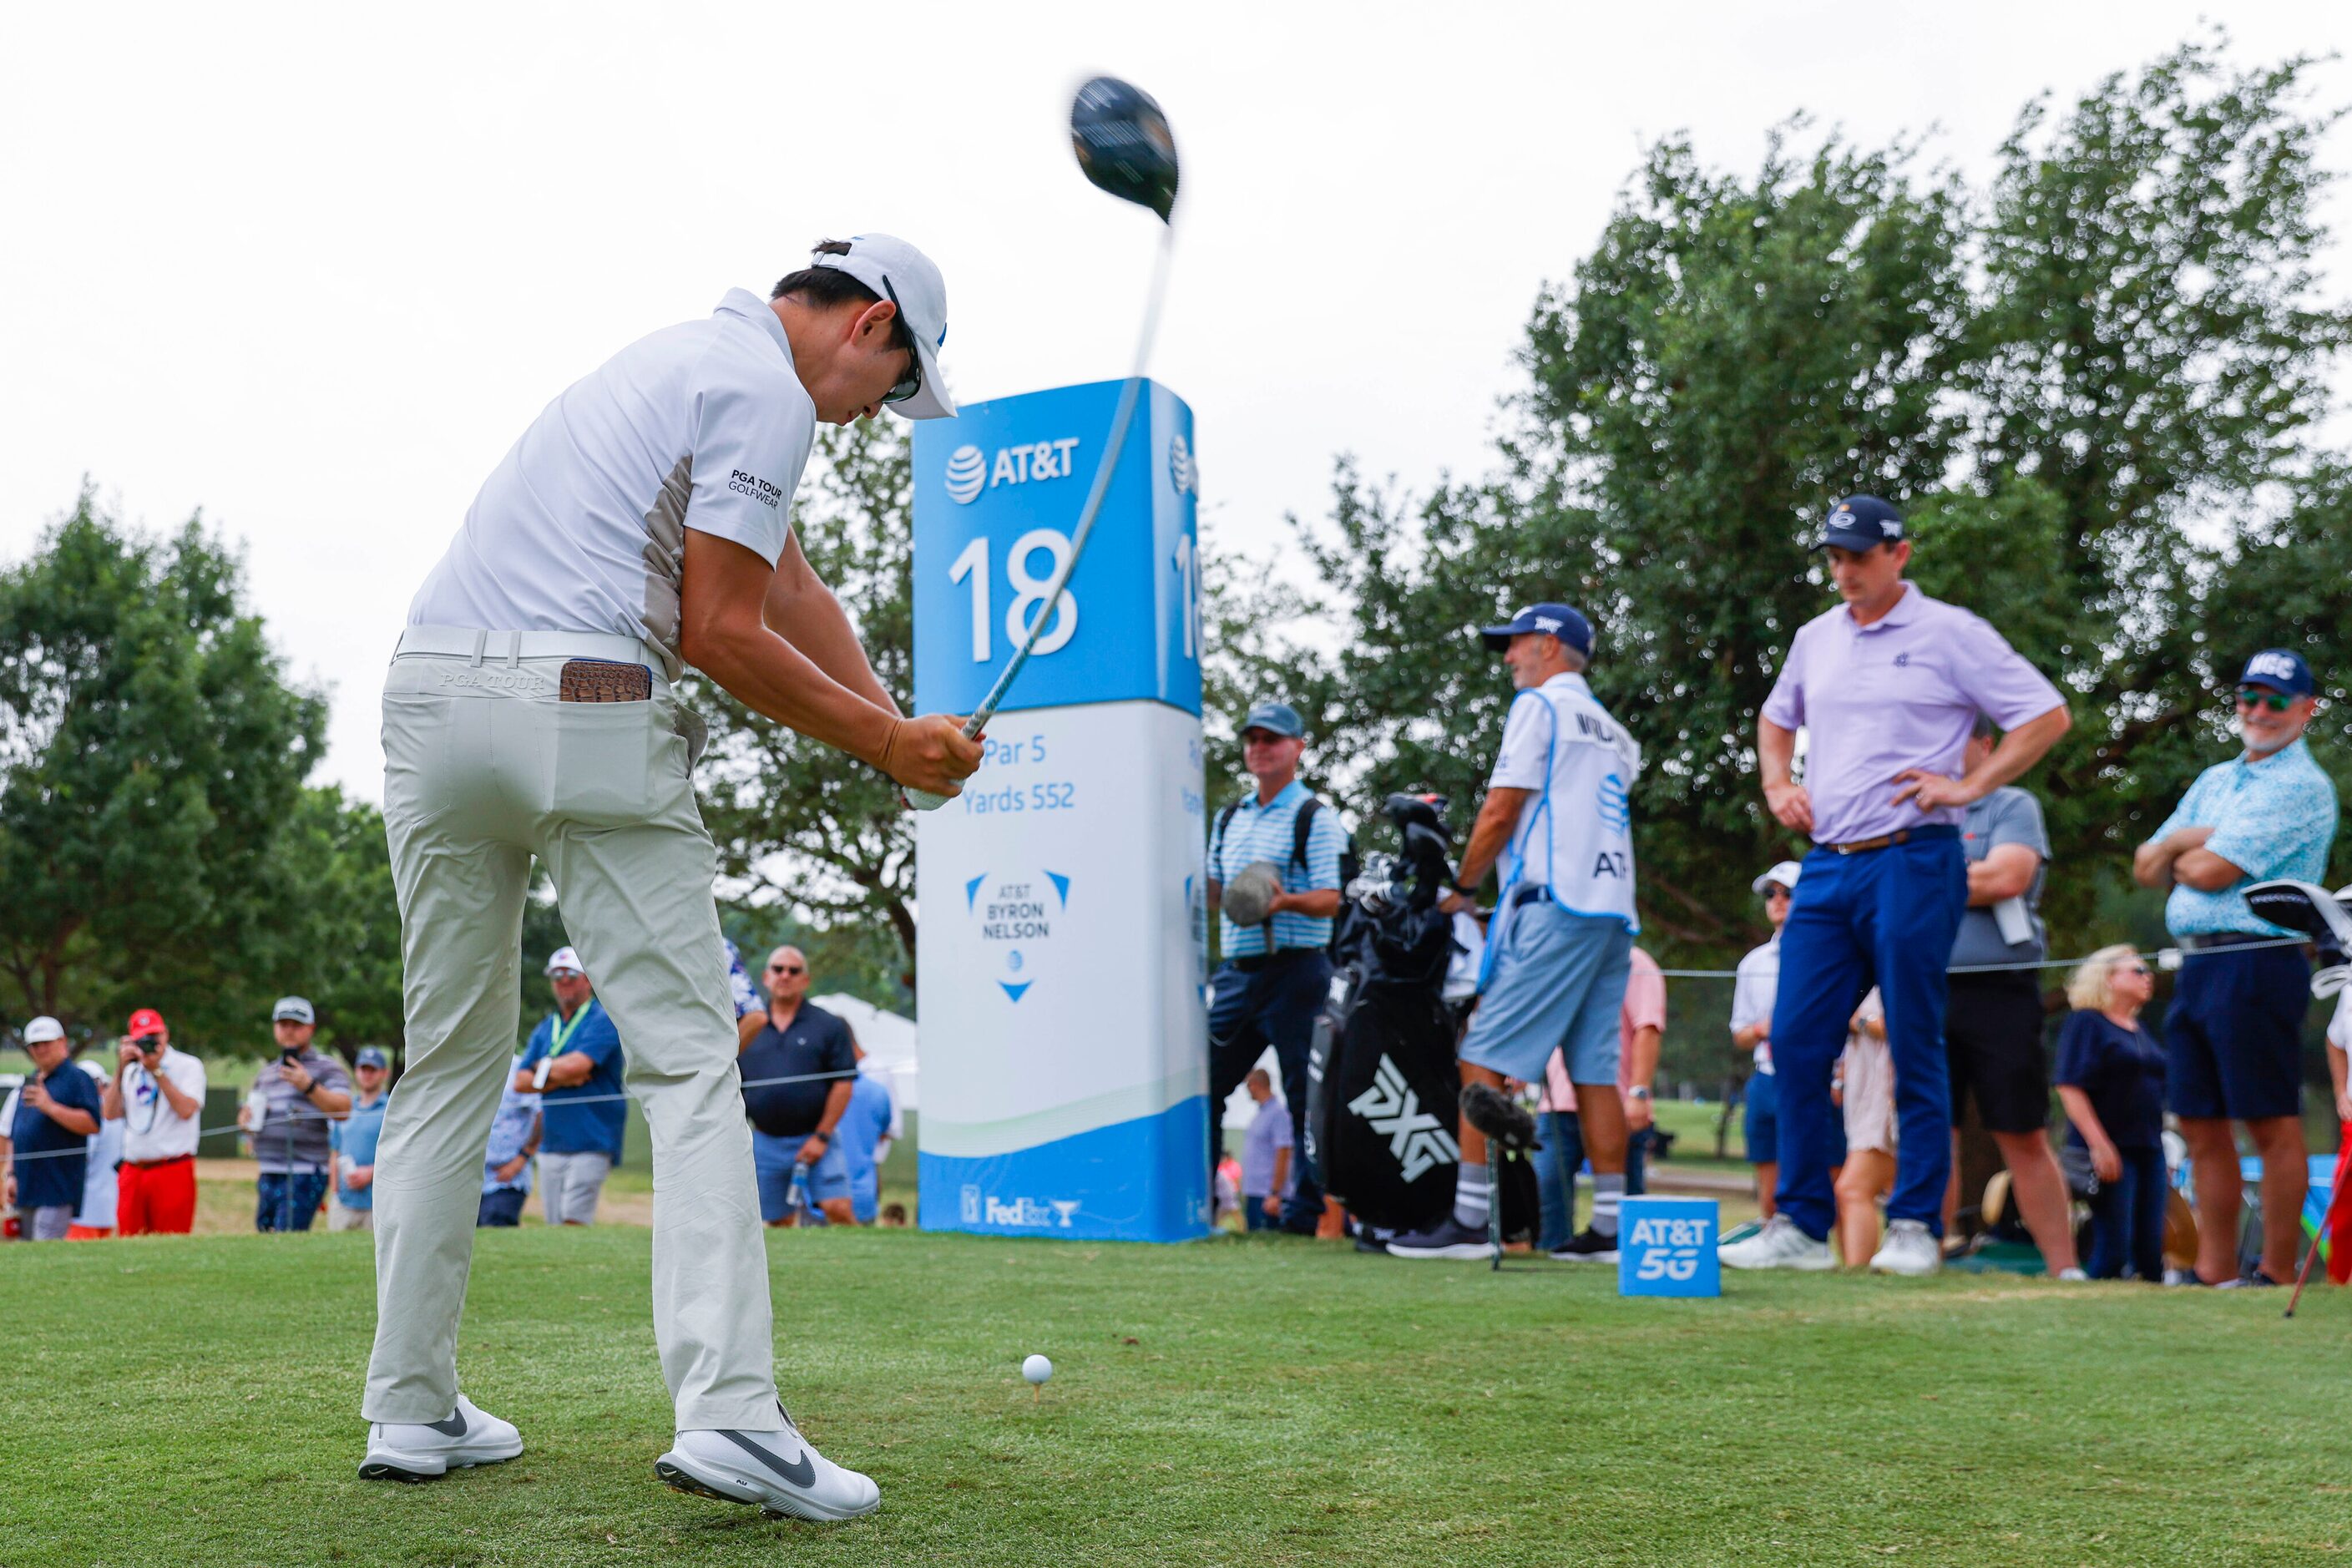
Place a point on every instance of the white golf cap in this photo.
(44, 1029)
(564, 961)
(1785, 873)
(293, 1010)
(899, 273)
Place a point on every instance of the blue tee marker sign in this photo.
(1665, 1247)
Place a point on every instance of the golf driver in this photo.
(1125, 147)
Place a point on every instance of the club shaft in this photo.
(1128, 396)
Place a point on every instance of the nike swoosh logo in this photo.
(801, 1474)
(453, 1427)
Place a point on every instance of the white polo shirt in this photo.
(1575, 833)
(1756, 984)
(582, 527)
(150, 1130)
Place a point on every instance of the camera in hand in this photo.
(148, 1044)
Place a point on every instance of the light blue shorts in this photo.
(772, 1164)
(1559, 984)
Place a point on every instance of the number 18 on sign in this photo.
(1665, 1247)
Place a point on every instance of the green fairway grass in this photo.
(1245, 1402)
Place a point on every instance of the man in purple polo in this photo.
(1887, 688)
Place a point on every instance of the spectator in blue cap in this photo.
(1274, 972)
(353, 1140)
(2233, 1035)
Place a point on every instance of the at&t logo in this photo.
(1181, 473)
(969, 472)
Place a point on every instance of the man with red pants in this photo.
(158, 1095)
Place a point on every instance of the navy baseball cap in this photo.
(1279, 717)
(371, 1057)
(1859, 522)
(1559, 620)
(2281, 669)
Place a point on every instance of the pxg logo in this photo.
(967, 474)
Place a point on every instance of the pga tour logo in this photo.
(986, 1208)
(969, 472)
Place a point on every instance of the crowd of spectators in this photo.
(85, 1155)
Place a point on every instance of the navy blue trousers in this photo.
(2127, 1220)
(1250, 1010)
(1886, 918)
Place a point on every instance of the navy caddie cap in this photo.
(2281, 669)
(1858, 522)
(1278, 718)
(1559, 620)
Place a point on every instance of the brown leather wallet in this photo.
(602, 681)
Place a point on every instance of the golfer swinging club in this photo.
(640, 525)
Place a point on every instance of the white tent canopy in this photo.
(889, 1039)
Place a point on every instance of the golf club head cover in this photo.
(1499, 1117)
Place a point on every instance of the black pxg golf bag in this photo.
(2322, 916)
(1382, 1089)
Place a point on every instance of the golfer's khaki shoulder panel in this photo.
(666, 561)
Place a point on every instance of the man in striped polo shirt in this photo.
(1275, 974)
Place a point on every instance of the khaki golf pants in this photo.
(484, 768)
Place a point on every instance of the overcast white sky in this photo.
(313, 273)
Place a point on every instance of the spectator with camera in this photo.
(54, 1115)
(293, 1099)
(353, 1140)
(158, 1094)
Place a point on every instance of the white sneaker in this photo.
(1910, 1250)
(1779, 1244)
(778, 1472)
(404, 1451)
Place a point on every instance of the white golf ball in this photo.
(1037, 1369)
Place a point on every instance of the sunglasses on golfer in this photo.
(786, 969)
(2261, 697)
(912, 382)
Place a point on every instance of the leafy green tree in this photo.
(804, 828)
(151, 750)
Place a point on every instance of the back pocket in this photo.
(601, 754)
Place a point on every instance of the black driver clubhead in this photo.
(2303, 906)
(1124, 145)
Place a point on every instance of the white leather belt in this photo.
(510, 648)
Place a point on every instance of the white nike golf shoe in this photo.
(1779, 1244)
(1908, 1249)
(404, 1451)
(777, 1472)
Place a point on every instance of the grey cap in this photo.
(1279, 717)
(293, 1010)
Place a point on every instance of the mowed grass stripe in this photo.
(1245, 1402)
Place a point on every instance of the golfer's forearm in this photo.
(2077, 1105)
(778, 681)
(837, 1103)
(2020, 749)
(2204, 870)
(184, 1105)
(1642, 1061)
(1496, 817)
(1776, 752)
(803, 610)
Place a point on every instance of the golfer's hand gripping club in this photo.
(929, 757)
